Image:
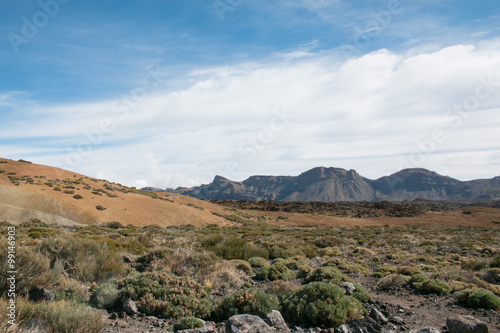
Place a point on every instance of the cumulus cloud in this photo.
(376, 113)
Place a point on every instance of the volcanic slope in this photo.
(57, 196)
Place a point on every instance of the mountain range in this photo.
(336, 184)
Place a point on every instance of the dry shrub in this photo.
(393, 281)
(33, 269)
(181, 261)
(85, 259)
(280, 288)
(56, 317)
(226, 274)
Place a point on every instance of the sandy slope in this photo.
(20, 202)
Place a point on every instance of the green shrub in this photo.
(278, 271)
(71, 294)
(321, 304)
(257, 262)
(438, 287)
(188, 323)
(361, 294)
(417, 280)
(247, 301)
(478, 298)
(326, 274)
(330, 252)
(384, 270)
(409, 270)
(61, 316)
(106, 296)
(304, 270)
(282, 250)
(241, 265)
(77, 197)
(237, 248)
(100, 207)
(35, 234)
(166, 295)
(347, 266)
(474, 265)
(495, 262)
(114, 225)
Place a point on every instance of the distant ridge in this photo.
(336, 184)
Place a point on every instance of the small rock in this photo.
(343, 329)
(378, 316)
(429, 330)
(275, 319)
(40, 294)
(347, 287)
(130, 307)
(397, 320)
(247, 323)
(466, 324)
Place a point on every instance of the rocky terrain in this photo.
(335, 184)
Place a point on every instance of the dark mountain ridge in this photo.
(336, 184)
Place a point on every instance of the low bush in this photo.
(87, 260)
(438, 287)
(59, 316)
(242, 265)
(237, 248)
(417, 280)
(326, 274)
(478, 298)
(166, 295)
(277, 271)
(361, 294)
(495, 262)
(106, 296)
(393, 281)
(384, 270)
(321, 304)
(330, 252)
(281, 288)
(257, 262)
(248, 301)
(492, 275)
(33, 269)
(409, 270)
(187, 323)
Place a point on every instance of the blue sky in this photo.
(170, 93)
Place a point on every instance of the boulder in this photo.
(130, 307)
(466, 324)
(40, 294)
(247, 323)
(343, 329)
(378, 316)
(275, 319)
(347, 287)
(367, 324)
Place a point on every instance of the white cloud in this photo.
(367, 113)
